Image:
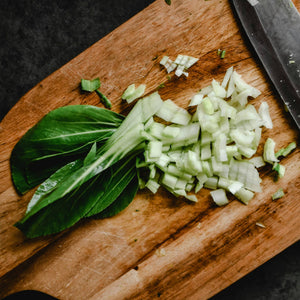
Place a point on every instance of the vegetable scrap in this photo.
(273, 158)
(160, 252)
(278, 194)
(132, 93)
(90, 85)
(221, 53)
(260, 224)
(180, 65)
(94, 85)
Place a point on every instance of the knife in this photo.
(273, 29)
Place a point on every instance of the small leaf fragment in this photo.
(278, 194)
(104, 99)
(90, 85)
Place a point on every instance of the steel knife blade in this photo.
(273, 29)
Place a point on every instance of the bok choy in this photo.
(89, 186)
(90, 162)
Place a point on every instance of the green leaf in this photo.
(91, 155)
(63, 135)
(104, 99)
(112, 152)
(44, 218)
(124, 199)
(91, 185)
(121, 175)
(90, 85)
(62, 214)
(51, 183)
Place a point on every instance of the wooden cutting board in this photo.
(159, 246)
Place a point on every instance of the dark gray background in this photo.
(37, 37)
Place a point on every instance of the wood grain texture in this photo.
(206, 248)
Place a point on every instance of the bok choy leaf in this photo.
(94, 196)
(62, 136)
(88, 186)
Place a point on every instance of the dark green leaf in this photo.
(104, 99)
(54, 217)
(122, 174)
(61, 214)
(90, 85)
(168, 2)
(51, 183)
(63, 135)
(122, 201)
(126, 146)
(91, 155)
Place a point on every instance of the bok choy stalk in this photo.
(78, 179)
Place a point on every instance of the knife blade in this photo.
(273, 29)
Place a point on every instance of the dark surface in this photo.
(37, 37)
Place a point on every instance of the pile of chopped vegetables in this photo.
(90, 162)
(213, 148)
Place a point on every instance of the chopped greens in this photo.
(286, 151)
(221, 53)
(104, 99)
(90, 85)
(278, 194)
(132, 93)
(94, 85)
(180, 65)
(209, 148)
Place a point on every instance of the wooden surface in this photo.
(206, 248)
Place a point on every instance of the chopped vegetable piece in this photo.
(90, 85)
(132, 93)
(128, 92)
(278, 194)
(208, 106)
(259, 224)
(244, 195)
(155, 149)
(269, 153)
(219, 197)
(227, 77)
(171, 131)
(152, 185)
(181, 63)
(196, 99)
(289, 149)
(234, 187)
(169, 180)
(265, 115)
(258, 161)
(280, 169)
(104, 99)
(218, 89)
(168, 64)
(211, 183)
(161, 85)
